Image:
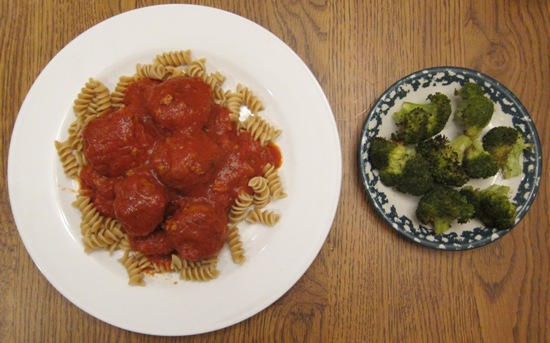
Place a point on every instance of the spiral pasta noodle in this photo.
(175, 72)
(135, 265)
(266, 217)
(261, 191)
(239, 208)
(152, 71)
(236, 245)
(71, 167)
(199, 271)
(102, 98)
(274, 182)
(250, 100)
(260, 129)
(117, 97)
(234, 101)
(84, 104)
(174, 58)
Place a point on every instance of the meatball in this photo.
(156, 243)
(185, 161)
(181, 103)
(139, 204)
(100, 188)
(197, 231)
(117, 142)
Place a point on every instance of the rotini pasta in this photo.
(135, 265)
(234, 101)
(238, 210)
(274, 182)
(236, 245)
(199, 273)
(103, 194)
(151, 71)
(266, 217)
(249, 99)
(261, 191)
(174, 58)
(71, 167)
(260, 129)
(117, 97)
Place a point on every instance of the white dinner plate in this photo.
(277, 257)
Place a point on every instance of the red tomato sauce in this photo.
(168, 165)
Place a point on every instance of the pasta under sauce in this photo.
(168, 165)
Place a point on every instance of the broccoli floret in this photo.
(416, 178)
(492, 205)
(389, 158)
(506, 145)
(444, 160)
(472, 195)
(416, 122)
(474, 111)
(478, 163)
(379, 152)
(441, 206)
(400, 166)
(470, 89)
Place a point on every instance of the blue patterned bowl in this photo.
(398, 209)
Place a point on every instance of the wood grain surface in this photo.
(368, 284)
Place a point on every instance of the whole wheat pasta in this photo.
(260, 129)
(174, 58)
(236, 245)
(84, 104)
(199, 273)
(117, 97)
(250, 100)
(102, 98)
(239, 208)
(234, 101)
(274, 182)
(261, 191)
(266, 217)
(197, 68)
(152, 71)
(71, 167)
(104, 238)
(175, 72)
(134, 268)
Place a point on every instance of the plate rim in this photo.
(536, 148)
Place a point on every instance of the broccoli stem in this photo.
(513, 166)
(441, 225)
(460, 144)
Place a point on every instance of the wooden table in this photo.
(368, 283)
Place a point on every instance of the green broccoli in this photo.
(416, 122)
(400, 166)
(472, 195)
(460, 144)
(444, 160)
(389, 158)
(506, 145)
(478, 163)
(474, 111)
(492, 206)
(416, 178)
(469, 89)
(441, 206)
